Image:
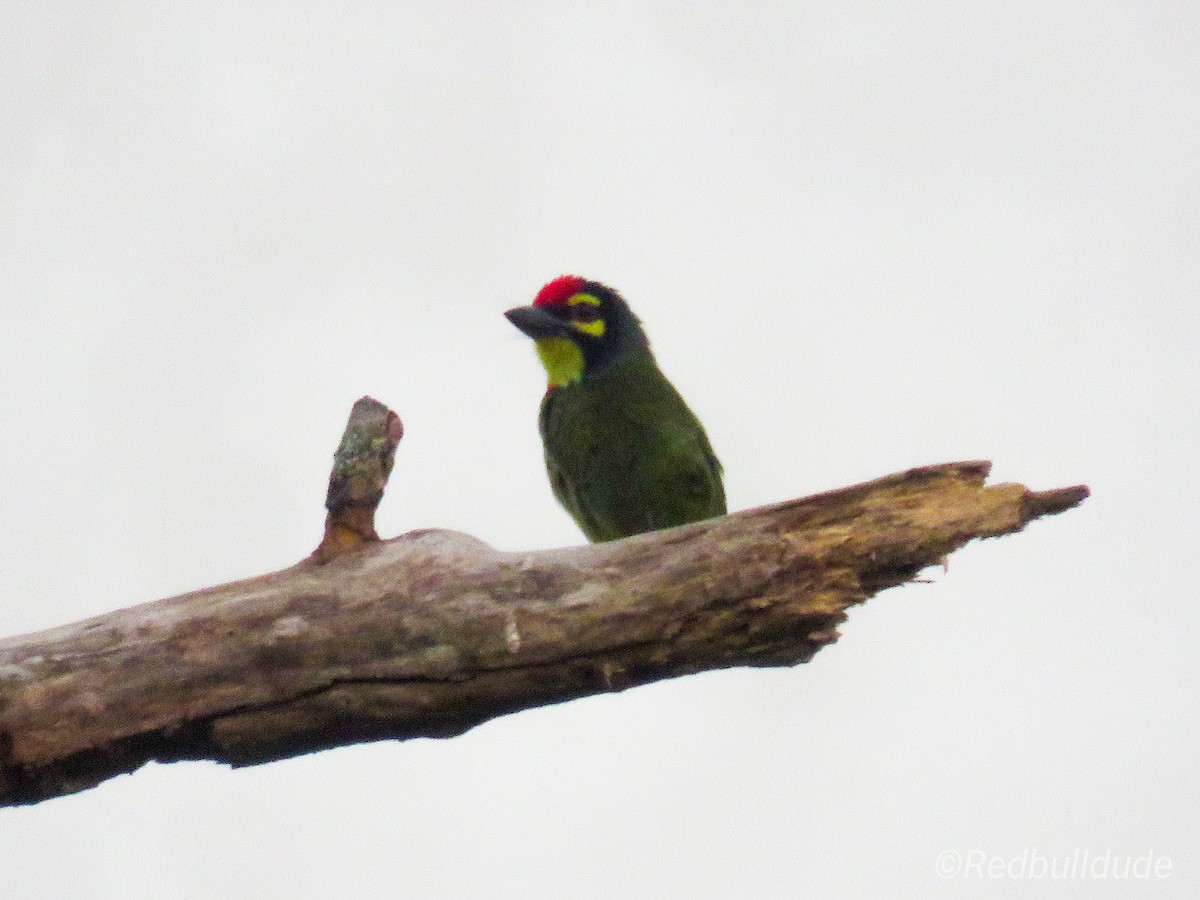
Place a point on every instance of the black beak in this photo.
(537, 323)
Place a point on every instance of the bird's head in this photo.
(580, 328)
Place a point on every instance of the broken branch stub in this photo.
(361, 467)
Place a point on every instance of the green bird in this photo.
(623, 451)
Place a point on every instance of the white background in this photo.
(862, 236)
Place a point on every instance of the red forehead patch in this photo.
(559, 290)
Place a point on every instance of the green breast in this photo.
(626, 455)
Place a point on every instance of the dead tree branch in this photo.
(433, 632)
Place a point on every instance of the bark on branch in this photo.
(433, 632)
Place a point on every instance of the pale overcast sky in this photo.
(862, 236)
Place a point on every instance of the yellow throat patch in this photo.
(562, 359)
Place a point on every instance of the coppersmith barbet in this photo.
(623, 451)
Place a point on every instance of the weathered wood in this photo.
(433, 632)
(361, 468)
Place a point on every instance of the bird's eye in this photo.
(585, 312)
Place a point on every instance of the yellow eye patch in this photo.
(594, 327)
